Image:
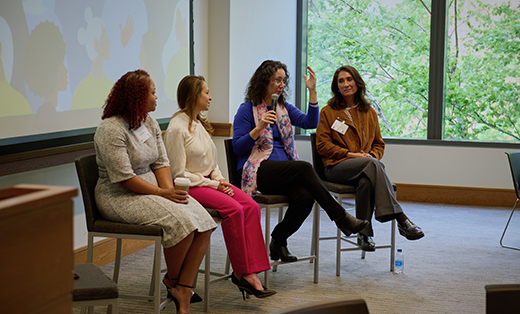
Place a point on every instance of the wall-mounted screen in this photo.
(60, 58)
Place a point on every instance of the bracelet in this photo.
(157, 193)
(315, 104)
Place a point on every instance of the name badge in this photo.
(340, 127)
(142, 133)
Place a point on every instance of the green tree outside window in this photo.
(389, 43)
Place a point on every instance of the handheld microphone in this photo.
(274, 102)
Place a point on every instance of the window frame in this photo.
(437, 78)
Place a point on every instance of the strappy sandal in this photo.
(194, 297)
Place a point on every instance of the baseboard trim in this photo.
(105, 250)
(456, 195)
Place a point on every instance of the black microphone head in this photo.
(274, 100)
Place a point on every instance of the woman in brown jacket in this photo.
(349, 140)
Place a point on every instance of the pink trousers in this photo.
(241, 227)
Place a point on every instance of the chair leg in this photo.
(280, 217)
(207, 274)
(316, 240)
(90, 248)
(228, 265)
(117, 262)
(156, 277)
(338, 252)
(392, 246)
(267, 239)
(152, 282)
(507, 225)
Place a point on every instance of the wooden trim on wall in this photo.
(456, 195)
(222, 129)
(105, 250)
(22, 162)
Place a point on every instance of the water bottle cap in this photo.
(399, 250)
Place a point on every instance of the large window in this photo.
(464, 87)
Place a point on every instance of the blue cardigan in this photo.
(244, 122)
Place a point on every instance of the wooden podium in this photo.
(36, 242)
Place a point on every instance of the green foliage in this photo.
(390, 47)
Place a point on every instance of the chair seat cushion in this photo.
(213, 213)
(102, 225)
(271, 199)
(339, 188)
(92, 284)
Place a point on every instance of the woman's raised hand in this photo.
(310, 81)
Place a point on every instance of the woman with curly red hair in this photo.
(135, 185)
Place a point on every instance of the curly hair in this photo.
(337, 101)
(128, 98)
(258, 83)
(188, 92)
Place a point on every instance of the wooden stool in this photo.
(92, 288)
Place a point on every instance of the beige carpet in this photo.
(445, 272)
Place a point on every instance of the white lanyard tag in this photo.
(142, 133)
(340, 127)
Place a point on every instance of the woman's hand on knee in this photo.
(225, 187)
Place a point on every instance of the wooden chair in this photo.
(340, 192)
(269, 202)
(514, 163)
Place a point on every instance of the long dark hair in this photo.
(128, 98)
(258, 83)
(337, 101)
(188, 92)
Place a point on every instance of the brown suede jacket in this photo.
(333, 147)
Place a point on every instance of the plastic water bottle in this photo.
(399, 262)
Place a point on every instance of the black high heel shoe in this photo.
(236, 281)
(349, 224)
(278, 251)
(245, 287)
(194, 297)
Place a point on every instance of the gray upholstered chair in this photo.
(340, 192)
(514, 163)
(97, 226)
(337, 306)
(92, 287)
(273, 201)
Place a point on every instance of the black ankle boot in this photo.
(280, 252)
(349, 224)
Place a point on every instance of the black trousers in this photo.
(299, 181)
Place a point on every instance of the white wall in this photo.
(232, 37)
